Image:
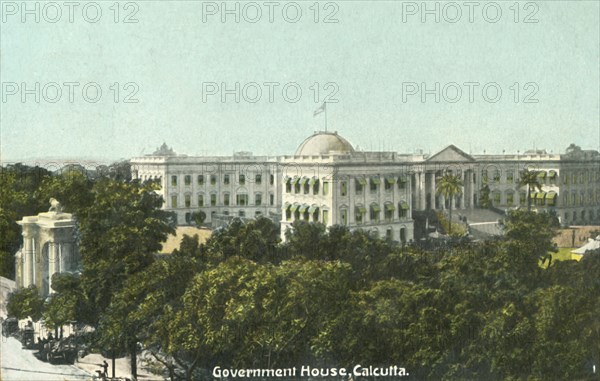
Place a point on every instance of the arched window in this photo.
(359, 214)
(374, 212)
(389, 234)
(496, 197)
(403, 234)
(344, 215)
(389, 209)
(510, 198)
(522, 198)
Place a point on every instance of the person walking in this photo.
(105, 368)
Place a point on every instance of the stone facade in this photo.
(48, 247)
(241, 185)
(327, 180)
(360, 190)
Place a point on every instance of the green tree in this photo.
(256, 240)
(24, 303)
(67, 303)
(147, 305)
(305, 239)
(297, 323)
(562, 318)
(531, 180)
(242, 313)
(199, 217)
(529, 236)
(484, 196)
(18, 183)
(72, 188)
(449, 186)
(120, 233)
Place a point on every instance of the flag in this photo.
(320, 109)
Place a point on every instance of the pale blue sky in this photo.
(369, 54)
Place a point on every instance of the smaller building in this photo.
(48, 248)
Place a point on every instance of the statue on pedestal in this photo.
(55, 206)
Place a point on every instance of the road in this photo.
(21, 365)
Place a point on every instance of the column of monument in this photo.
(463, 177)
(65, 257)
(52, 263)
(422, 191)
(433, 192)
(27, 254)
(471, 189)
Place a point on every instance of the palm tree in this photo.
(449, 185)
(531, 180)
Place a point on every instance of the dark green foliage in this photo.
(337, 298)
(120, 232)
(199, 217)
(18, 183)
(25, 303)
(328, 298)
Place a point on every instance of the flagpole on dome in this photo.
(325, 111)
(322, 109)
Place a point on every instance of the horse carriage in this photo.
(58, 351)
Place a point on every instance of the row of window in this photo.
(582, 216)
(539, 198)
(306, 212)
(227, 178)
(544, 177)
(581, 198)
(306, 185)
(240, 200)
(581, 177)
(547, 198)
(373, 183)
(311, 213)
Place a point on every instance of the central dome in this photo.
(324, 143)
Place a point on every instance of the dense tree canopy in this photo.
(338, 298)
(324, 298)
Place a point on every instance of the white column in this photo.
(464, 189)
(65, 258)
(34, 260)
(433, 191)
(59, 260)
(26, 262)
(471, 189)
(52, 263)
(422, 191)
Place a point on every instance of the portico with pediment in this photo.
(449, 160)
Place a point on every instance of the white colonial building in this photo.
(327, 180)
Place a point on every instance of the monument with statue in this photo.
(48, 248)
